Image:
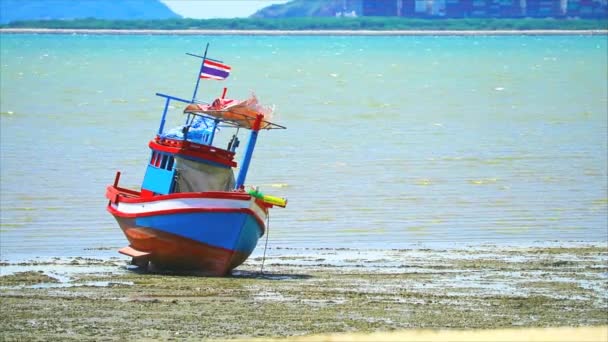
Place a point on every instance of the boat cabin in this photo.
(188, 159)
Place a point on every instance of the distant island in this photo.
(42, 10)
(311, 15)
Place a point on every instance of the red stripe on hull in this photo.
(174, 252)
(118, 194)
(248, 211)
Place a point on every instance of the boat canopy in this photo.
(192, 176)
(235, 113)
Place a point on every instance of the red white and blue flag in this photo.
(215, 70)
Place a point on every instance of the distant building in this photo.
(587, 8)
(544, 8)
(380, 8)
(408, 8)
(486, 8)
(351, 14)
(391, 8)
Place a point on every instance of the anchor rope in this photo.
(266, 245)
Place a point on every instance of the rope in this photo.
(266, 245)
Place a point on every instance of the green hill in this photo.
(15, 10)
(309, 8)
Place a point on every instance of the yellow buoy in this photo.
(278, 201)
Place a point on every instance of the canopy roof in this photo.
(235, 113)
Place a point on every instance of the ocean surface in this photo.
(392, 142)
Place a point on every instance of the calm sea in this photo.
(392, 142)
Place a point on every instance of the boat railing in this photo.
(205, 138)
(168, 99)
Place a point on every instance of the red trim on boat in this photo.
(248, 211)
(118, 194)
(257, 124)
(190, 149)
(145, 193)
(265, 206)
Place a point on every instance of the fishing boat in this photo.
(190, 212)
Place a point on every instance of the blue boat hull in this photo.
(207, 232)
(200, 242)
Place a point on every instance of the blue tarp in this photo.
(200, 131)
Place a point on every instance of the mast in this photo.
(198, 77)
(253, 137)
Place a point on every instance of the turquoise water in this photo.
(392, 142)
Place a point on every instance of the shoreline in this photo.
(305, 32)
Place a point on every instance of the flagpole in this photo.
(198, 78)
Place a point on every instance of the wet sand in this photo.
(309, 32)
(304, 292)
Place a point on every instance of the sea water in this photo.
(392, 142)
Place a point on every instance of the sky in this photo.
(205, 9)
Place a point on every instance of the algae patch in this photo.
(26, 278)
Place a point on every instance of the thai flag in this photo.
(215, 70)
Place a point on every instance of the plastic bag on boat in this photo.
(243, 111)
(199, 131)
(253, 103)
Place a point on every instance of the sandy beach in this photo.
(307, 32)
(562, 334)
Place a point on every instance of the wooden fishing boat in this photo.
(191, 213)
